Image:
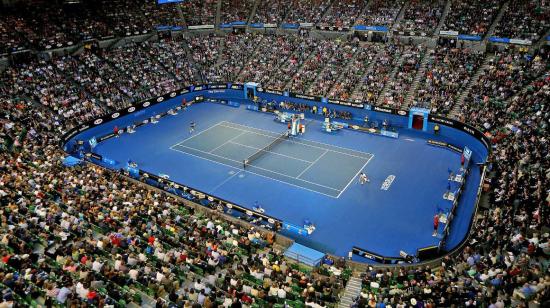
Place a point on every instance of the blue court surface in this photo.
(313, 177)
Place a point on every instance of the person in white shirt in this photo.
(97, 266)
(281, 293)
(133, 273)
(199, 285)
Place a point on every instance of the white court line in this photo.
(228, 141)
(260, 175)
(195, 135)
(313, 163)
(274, 153)
(326, 144)
(240, 162)
(225, 181)
(353, 179)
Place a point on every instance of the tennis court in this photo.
(301, 163)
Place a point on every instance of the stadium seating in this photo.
(89, 237)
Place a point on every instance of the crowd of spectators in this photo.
(333, 69)
(205, 52)
(306, 11)
(399, 85)
(351, 76)
(447, 75)
(42, 24)
(271, 11)
(272, 54)
(421, 16)
(236, 10)
(199, 12)
(343, 13)
(471, 16)
(234, 54)
(174, 58)
(382, 12)
(312, 67)
(524, 20)
(284, 74)
(86, 236)
(378, 74)
(141, 64)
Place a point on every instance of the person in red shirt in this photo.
(436, 224)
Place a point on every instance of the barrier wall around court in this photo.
(453, 132)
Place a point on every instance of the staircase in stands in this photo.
(457, 108)
(493, 26)
(446, 11)
(419, 75)
(353, 289)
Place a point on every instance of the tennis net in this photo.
(266, 149)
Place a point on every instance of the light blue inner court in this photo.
(291, 182)
(304, 164)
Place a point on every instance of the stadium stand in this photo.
(421, 15)
(382, 13)
(524, 20)
(87, 237)
(471, 17)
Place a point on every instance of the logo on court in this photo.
(146, 104)
(160, 99)
(173, 94)
(387, 183)
(131, 109)
(98, 121)
(115, 115)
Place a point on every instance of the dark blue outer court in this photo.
(382, 222)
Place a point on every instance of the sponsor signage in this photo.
(333, 28)
(382, 109)
(371, 28)
(217, 86)
(344, 103)
(469, 37)
(201, 27)
(442, 144)
(448, 33)
(375, 257)
(520, 42)
(310, 97)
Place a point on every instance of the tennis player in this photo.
(192, 127)
(363, 178)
